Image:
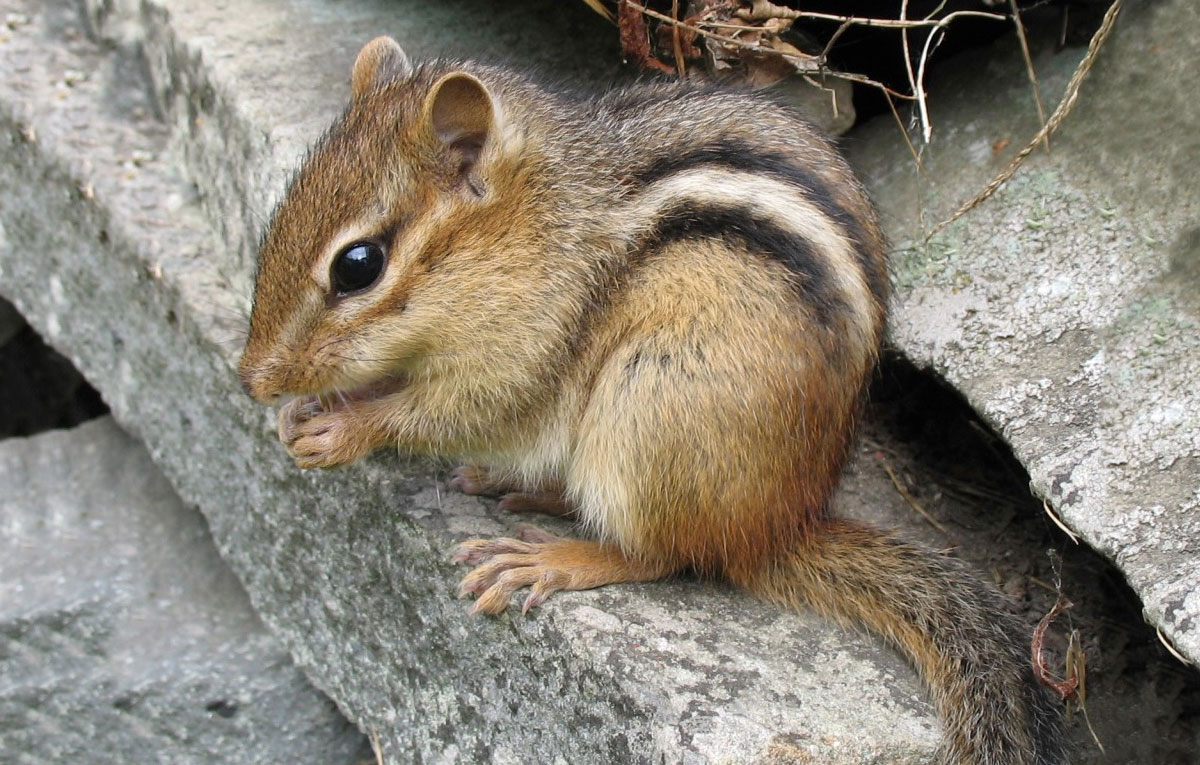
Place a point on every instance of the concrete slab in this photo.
(123, 636)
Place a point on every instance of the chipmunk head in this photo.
(389, 223)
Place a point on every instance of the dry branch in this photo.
(762, 10)
(1037, 91)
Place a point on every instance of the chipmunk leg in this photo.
(544, 563)
(514, 496)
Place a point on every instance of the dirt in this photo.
(41, 390)
(1142, 703)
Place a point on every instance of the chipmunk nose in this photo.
(255, 382)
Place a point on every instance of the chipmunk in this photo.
(655, 308)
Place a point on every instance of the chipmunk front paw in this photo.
(316, 437)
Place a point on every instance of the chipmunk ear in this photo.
(460, 113)
(379, 62)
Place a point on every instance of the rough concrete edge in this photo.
(231, 161)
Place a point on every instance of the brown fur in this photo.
(646, 308)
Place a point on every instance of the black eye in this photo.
(357, 267)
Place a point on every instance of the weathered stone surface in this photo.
(350, 567)
(123, 636)
(1066, 308)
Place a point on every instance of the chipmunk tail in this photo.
(948, 622)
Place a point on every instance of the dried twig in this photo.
(815, 62)
(677, 45)
(376, 749)
(833, 96)
(761, 11)
(1073, 689)
(598, 7)
(932, 40)
(1037, 91)
(1060, 113)
(1044, 585)
(936, 10)
(1170, 647)
(904, 132)
(1058, 521)
(912, 80)
(841, 30)
(1077, 672)
(919, 85)
(912, 502)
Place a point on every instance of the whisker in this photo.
(394, 359)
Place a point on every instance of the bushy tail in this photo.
(947, 621)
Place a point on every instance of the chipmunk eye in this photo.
(357, 267)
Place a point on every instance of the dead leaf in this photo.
(635, 40)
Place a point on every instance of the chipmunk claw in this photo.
(534, 535)
(479, 550)
(541, 590)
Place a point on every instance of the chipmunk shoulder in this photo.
(656, 308)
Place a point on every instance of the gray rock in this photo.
(144, 287)
(1065, 308)
(123, 636)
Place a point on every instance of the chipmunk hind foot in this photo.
(545, 564)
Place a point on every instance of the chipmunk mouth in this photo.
(339, 398)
